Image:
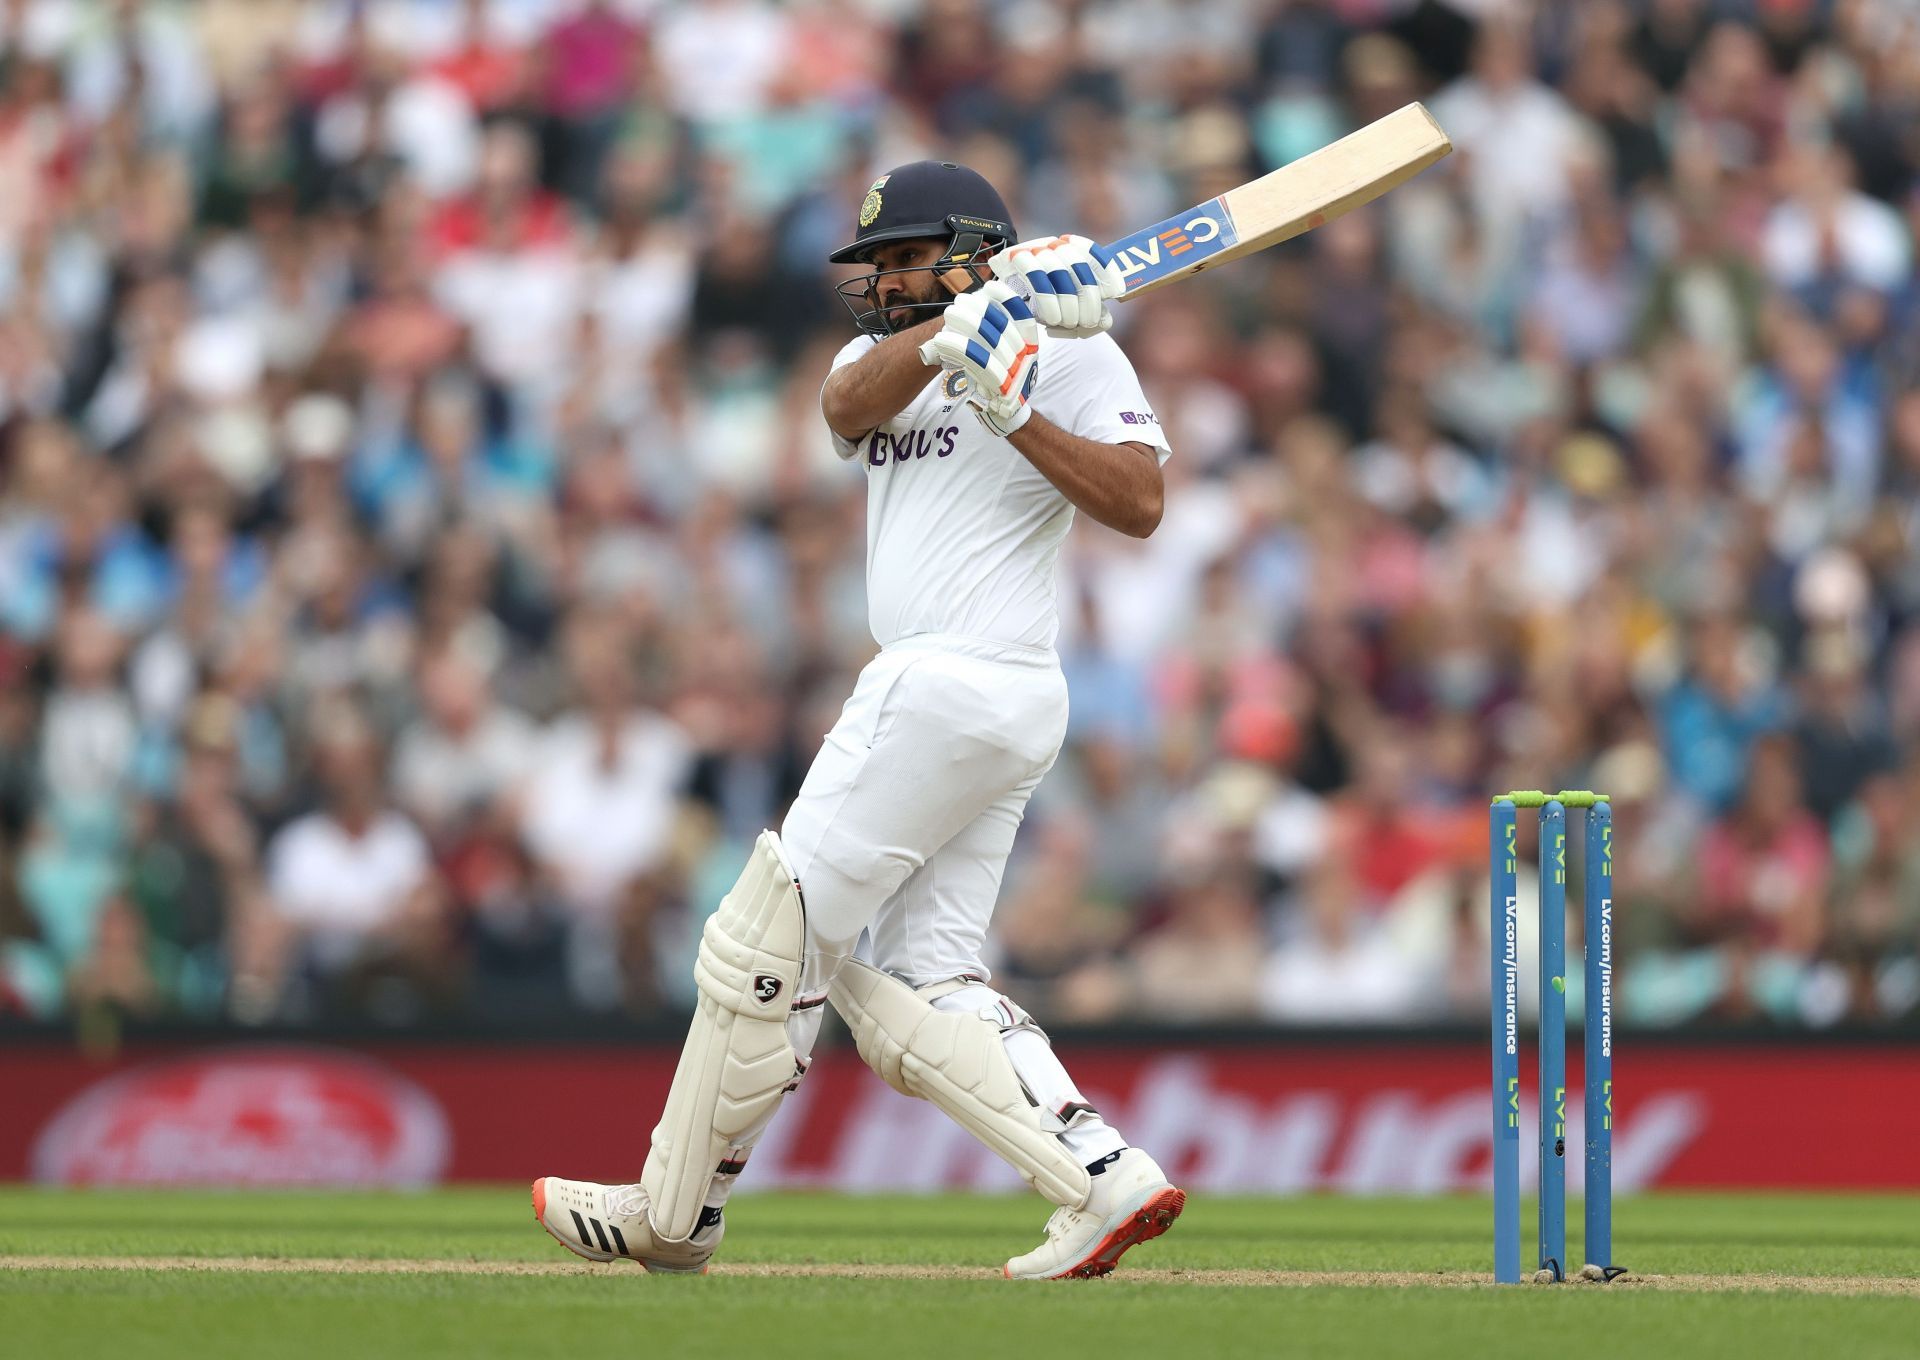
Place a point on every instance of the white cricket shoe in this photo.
(1132, 1202)
(609, 1223)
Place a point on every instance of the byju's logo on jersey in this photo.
(1175, 243)
(911, 444)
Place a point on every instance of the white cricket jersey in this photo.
(962, 531)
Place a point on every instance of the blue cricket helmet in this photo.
(930, 198)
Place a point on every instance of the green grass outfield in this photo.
(467, 1273)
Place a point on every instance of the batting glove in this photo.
(991, 338)
(1067, 280)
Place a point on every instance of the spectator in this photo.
(1380, 828)
(88, 733)
(589, 63)
(1843, 733)
(490, 71)
(1202, 963)
(1517, 133)
(1713, 718)
(1813, 432)
(599, 811)
(1050, 923)
(450, 466)
(1762, 866)
(1828, 236)
(351, 886)
(465, 755)
(117, 973)
(195, 874)
(509, 268)
(143, 51)
(1874, 903)
(718, 59)
(1341, 967)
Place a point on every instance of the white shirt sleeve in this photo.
(850, 351)
(1087, 387)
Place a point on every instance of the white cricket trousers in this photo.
(907, 816)
(902, 828)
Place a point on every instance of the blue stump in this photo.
(1553, 1039)
(1599, 1034)
(1503, 859)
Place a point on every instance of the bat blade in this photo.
(1278, 206)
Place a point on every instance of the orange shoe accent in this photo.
(540, 1217)
(1148, 1222)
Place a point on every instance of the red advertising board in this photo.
(1360, 1117)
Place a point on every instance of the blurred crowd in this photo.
(423, 567)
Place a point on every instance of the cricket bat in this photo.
(1279, 206)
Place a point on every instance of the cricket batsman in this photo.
(988, 404)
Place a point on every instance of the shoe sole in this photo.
(598, 1258)
(1142, 1224)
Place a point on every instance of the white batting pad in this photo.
(737, 1061)
(959, 1063)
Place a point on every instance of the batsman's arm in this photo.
(1117, 484)
(864, 395)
